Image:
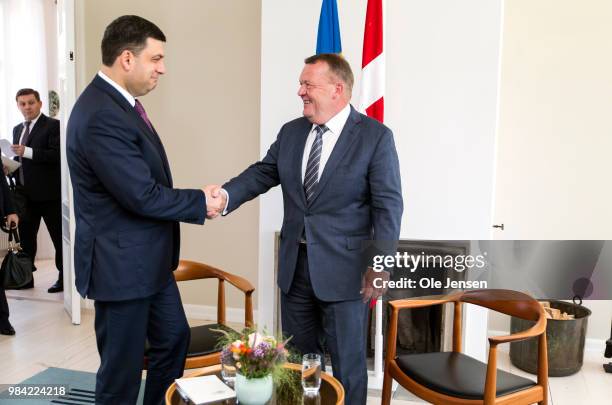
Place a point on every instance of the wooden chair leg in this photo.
(386, 390)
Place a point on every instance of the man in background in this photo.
(127, 218)
(36, 142)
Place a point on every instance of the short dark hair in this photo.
(27, 92)
(337, 65)
(128, 32)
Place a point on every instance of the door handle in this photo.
(501, 226)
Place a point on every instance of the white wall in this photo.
(442, 70)
(555, 129)
(50, 12)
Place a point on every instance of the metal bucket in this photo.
(565, 342)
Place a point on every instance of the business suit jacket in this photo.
(42, 173)
(358, 198)
(127, 232)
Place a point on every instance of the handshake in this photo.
(216, 200)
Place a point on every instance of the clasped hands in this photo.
(373, 283)
(216, 200)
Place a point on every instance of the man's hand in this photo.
(18, 149)
(368, 290)
(12, 220)
(215, 200)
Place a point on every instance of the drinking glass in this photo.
(228, 368)
(311, 373)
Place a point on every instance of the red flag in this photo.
(373, 63)
(373, 67)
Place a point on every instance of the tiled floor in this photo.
(45, 338)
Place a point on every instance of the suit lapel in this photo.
(162, 152)
(33, 131)
(17, 133)
(155, 140)
(345, 140)
(150, 135)
(37, 128)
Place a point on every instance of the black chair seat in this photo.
(457, 375)
(203, 340)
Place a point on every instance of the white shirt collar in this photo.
(337, 122)
(120, 89)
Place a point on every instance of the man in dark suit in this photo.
(127, 218)
(340, 179)
(12, 220)
(36, 142)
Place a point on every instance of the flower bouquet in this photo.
(258, 359)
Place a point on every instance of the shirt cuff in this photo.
(28, 153)
(226, 202)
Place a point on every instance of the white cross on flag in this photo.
(373, 63)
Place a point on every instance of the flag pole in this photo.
(372, 104)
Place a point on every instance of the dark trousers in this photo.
(51, 213)
(341, 325)
(4, 309)
(121, 330)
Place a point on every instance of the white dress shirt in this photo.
(28, 153)
(120, 89)
(335, 126)
(329, 138)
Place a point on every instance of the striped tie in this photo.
(311, 177)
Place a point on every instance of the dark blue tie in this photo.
(311, 177)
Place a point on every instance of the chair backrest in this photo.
(190, 270)
(513, 303)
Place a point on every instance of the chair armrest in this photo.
(535, 330)
(190, 270)
(239, 282)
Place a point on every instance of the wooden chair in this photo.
(456, 379)
(203, 349)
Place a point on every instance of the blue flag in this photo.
(328, 38)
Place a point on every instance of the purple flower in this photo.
(259, 353)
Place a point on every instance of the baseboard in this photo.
(590, 344)
(209, 313)
(595, 345)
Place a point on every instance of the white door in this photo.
(554, 129)
(67, 83)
